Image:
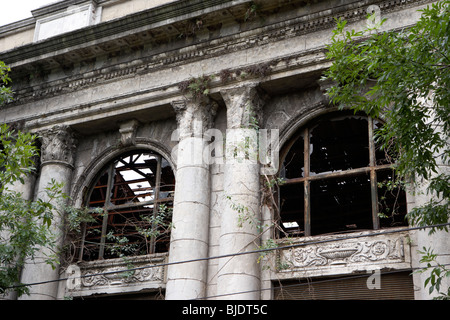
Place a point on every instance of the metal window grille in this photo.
(135, 196)
(332, 170)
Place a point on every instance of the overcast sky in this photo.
(15, 10)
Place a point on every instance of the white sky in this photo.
(15, 10)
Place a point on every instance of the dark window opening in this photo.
(337, 179)
(340, 204)
(391, 200)
(131, 203)
(339, 144)
(293, 209)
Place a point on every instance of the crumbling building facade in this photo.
(198, 136)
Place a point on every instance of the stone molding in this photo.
(335, 256)
(213, 48)
(111, 276)
(58, 145)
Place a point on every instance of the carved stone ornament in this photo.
(194, 117)
(115, 276)
(128, 132)
(244, 105)
(128, 275)
(376, 250)
(298, 26)
(58, 145)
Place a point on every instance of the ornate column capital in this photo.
(58, 145)
(244, 105)
(194, 117)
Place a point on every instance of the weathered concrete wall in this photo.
(96, 79)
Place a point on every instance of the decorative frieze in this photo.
(332, 256)
(119, 276)
(116, 275)
(215, 48)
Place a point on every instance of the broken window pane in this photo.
(293, 166)
(292, 208)
(339, 144)
(135, 193)
(383, 154)
(343, 192)
(391, 200)
(340, 204)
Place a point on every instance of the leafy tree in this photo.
(24, 225)
(404, 78)
(5, 91)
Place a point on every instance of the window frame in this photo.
(371, 170)
(108, 206)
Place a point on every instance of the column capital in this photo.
(244, 105)
(58, 145)
(194, 117)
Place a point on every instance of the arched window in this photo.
(335, 179)
(131, 203)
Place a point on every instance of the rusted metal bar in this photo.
(373, 177)
(155, 207)
(105, 217)
(306, 184)
(123, 183)
(138, 204)
(337, 174)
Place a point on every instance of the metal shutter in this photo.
(393, 286)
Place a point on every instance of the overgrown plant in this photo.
(158, 224)
(197, 87)
(437, 272)
(150, 227)
(5, 90)
(403, 77)
(191, 27)
(253, 11)
(25, 225)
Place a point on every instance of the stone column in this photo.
(26, 189)
(57, 157)
(240, 220)
(189, 237)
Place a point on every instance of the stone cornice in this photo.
(171, 13)
(213, 48)
(277, 67)
(100, 33)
